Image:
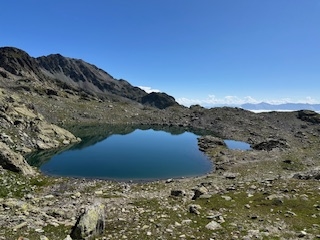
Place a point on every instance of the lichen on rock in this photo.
(90, 224)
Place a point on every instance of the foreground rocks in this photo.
(24, 130)
(241, 208)
(90, 224)
(14, 161)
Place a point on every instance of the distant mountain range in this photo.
(281, 107)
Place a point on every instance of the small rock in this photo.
(77, 194)
(68, 238)
(291, 213)
(254, 216)
(227, 198)
(177, 193)
(213, 225)
(186, 221)
(170, 180)
(230, 175)
(193, 208)
(98, 192)
(302, 234)
(199, 191)
(205, 196)
(49, 196)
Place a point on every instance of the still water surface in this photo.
(141, 155)
(237, 145)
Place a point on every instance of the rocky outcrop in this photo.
(206, 142)
(24, 129)
(13, 161)
(309, 116)
(19, 63)
(158, 100)
(314, 174)
(90, 224)
(270, 144)
(52, 136)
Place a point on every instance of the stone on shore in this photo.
(90, 224)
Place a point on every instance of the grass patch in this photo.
(291, 163)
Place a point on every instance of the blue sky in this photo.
(199, 51)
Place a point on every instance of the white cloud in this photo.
(148, 89)
(212, 100)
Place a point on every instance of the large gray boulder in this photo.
(14, 161)
(90, 224)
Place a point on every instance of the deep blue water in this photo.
(141, 155)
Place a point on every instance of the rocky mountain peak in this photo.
(73, 74)
(18, 62)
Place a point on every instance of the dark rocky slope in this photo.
(75, 74)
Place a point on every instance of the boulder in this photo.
(206, 142)
(14, 161)
(90, 224)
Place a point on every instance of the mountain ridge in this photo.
(75, 74)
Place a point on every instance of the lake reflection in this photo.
(141, 155)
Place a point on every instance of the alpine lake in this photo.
(129, 153)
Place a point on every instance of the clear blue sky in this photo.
(211, 51)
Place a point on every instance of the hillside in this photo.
(58, 72)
